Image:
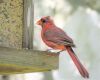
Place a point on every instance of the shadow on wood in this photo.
(22, 61)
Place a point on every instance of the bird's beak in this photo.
(39, 22)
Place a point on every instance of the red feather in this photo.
(76, 61)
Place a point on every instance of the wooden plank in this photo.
(28, 24)
(22, 61)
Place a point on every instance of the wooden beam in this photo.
(22, 61)
(28, 24)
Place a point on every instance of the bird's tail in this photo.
(78, 64)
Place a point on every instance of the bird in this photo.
(56, 38)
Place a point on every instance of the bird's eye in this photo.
(43, 20)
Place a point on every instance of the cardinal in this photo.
(56, 38)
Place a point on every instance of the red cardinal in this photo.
(56, 38)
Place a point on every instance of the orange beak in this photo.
(39, 22)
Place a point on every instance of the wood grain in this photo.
(22, 61)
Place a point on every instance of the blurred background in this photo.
(80, 19)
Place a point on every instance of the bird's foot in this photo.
(52, 52)
(60, 51)
(49, 50)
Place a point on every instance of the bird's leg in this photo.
(56, 53)
(49, 50)
(60, 51)
(52, 53)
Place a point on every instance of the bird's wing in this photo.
(58, 36)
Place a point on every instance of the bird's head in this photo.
(44, 20)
